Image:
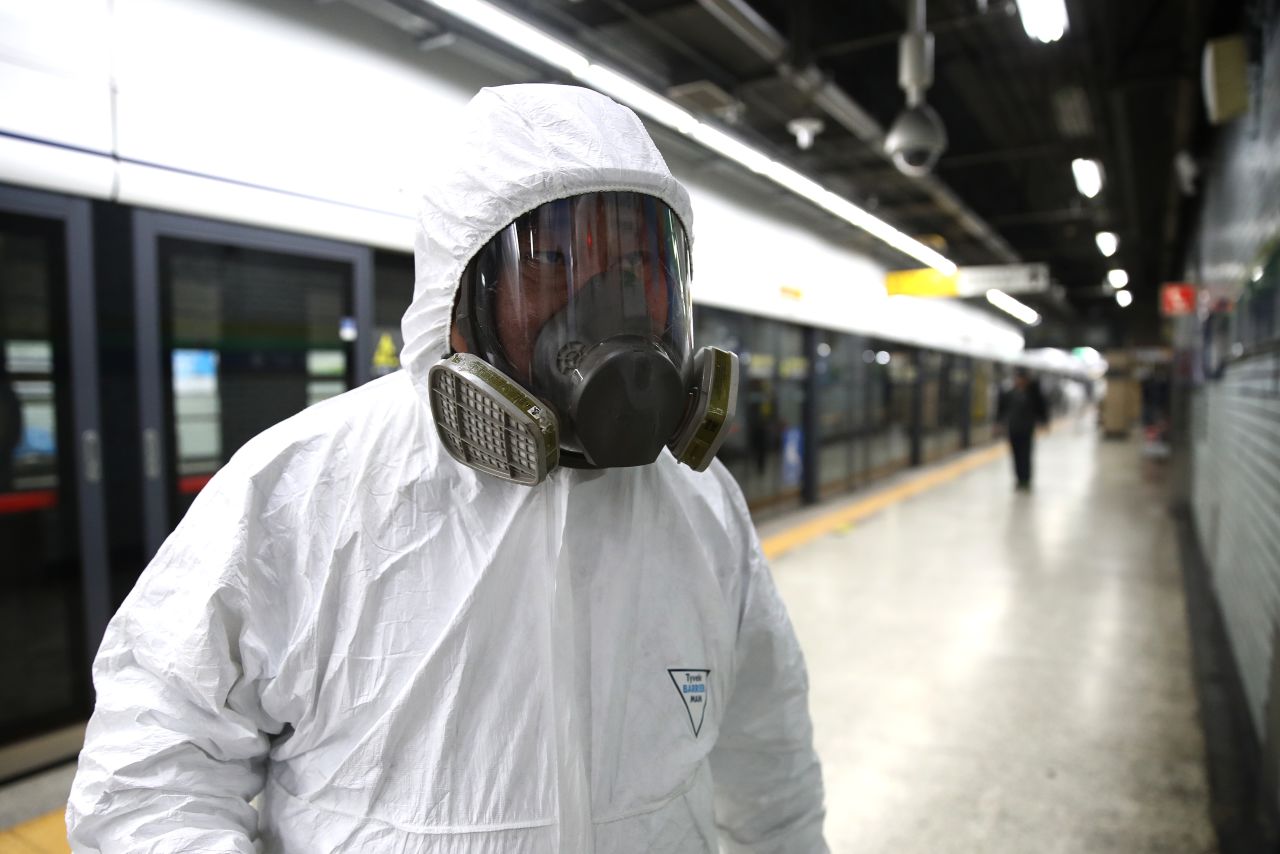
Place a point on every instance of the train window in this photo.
(890, 378)
(940, 402)
(836, 374)
(392, 293)
(982, 401)
(717, 328)
(253, 337)
(42, 667)
(764, 449)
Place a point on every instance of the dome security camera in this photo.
(804, 130)
(916, 140)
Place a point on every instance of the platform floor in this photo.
(994, 671)
(990, 671)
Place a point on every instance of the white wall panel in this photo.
(1235, 432)
(55, 71)
(314, 99)
(153, 187)
(62, 170)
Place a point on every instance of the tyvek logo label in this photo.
(695, 690)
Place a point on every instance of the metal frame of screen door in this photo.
(83, 348)
(148, 228)
(74, 214)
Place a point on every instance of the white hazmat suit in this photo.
(406, 655)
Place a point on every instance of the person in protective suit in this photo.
(499, 601)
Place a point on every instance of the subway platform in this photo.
(995, 671)
(991, 671)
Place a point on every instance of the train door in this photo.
(891, 379)
(836, 367)
(237, 328)
(53, 601)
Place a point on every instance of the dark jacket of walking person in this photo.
(1021, 409)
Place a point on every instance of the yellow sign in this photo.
(921, 283)
(385, 356)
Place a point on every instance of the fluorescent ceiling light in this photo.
(1124, 298)
(1108, 243)
(637, 97)
(1009, 305)
(517, 33)
(528, 39)
(1118, 278)
(1044, 20)
(726, 146)
(1088, 174)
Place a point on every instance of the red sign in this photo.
(1177, 299)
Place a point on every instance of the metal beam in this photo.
(1045, 217)
(1004, 155)
(835, 50)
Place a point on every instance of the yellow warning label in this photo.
(921, 283)
(386, 356)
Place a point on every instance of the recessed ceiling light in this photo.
(1088, 175)
(1044, 20)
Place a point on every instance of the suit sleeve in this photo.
(178, 740)
(768, 782)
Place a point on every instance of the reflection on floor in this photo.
(994, 671)
(31, 813)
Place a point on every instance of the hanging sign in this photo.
(969, 281)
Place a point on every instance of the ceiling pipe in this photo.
(915, 55)
(754, 31)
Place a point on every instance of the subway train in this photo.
(173, 287)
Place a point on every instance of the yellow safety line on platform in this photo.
(805, 532)
(44, 835)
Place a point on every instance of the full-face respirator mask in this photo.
(573, 345)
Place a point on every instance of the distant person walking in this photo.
(1021, 410)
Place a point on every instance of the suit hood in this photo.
(518, 147)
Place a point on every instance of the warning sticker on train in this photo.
(695, 690)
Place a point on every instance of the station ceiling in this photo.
(1121, 86)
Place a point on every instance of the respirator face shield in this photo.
(582, 305)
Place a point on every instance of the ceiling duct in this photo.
(703, 96)
(1071, 113)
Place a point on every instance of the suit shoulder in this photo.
(713, 497)
(340, 431)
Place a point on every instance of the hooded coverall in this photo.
(402, 654)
